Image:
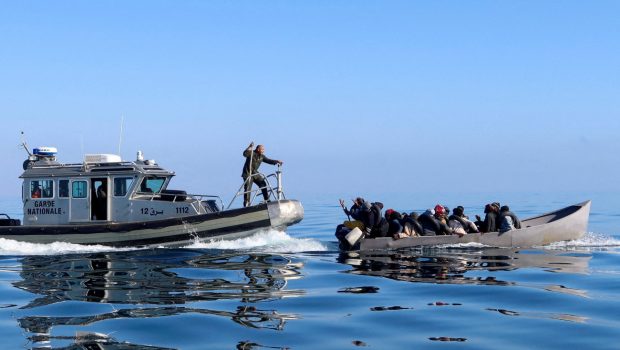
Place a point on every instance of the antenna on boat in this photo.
(25, 145)
(120, 138)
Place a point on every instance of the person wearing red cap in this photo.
(432, 223)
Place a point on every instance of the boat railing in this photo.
(196, 200)
(276, 192)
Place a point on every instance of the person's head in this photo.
(379, 204)
(359, 201)
(439, 210)
(504, 208)
(388, 213)
(414, 215)
(495, 207)
(487, 208)
(458, 211)
(260, 149)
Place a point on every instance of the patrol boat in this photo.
(105, 200)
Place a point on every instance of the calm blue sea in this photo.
(294, 290)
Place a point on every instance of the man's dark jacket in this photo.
(257, 159)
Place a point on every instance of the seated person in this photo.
(411, 226)
(375, 224)
(490, 219)
(507, 220)
(460, 223)
(433, 222)
(356, 209)
(395, 228)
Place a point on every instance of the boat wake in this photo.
(11, 247)
(464, 245)
(589, 240)
(271, 241)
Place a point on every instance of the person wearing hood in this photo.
(411, 226)
(507, 220)
(460, 223)
(375, 223)
(491, 212)
(395, 227)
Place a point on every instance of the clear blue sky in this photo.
(376, 96)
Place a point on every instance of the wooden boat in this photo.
(111, 202)
(565, 224)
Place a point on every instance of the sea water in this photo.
(295, 290)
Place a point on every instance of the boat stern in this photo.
(285, 213)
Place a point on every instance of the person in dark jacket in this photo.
(395, 227)
(374, 222)
(460, 223)
(356, 209)
(253, 160)
(411, 226)
(507, 220)
(490, 219)
(431, 221)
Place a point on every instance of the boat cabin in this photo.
(103, 189)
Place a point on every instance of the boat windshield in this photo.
(152, 184)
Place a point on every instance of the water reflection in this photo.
(94, 341)
(543, 315)
(452, 265)
(157, 277)
(163, 282)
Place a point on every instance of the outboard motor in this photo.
(348, 239)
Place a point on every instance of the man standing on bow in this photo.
(253, 159)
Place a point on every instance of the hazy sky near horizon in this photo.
(354, 96)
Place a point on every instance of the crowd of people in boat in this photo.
(369, 217)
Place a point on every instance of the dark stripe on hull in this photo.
(97, 230)
(187, 237)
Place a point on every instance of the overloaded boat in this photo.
(105, 200)
(565, 224)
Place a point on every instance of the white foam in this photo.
(273, 241)
(589, 240)
(464, 245)
(11, 247)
